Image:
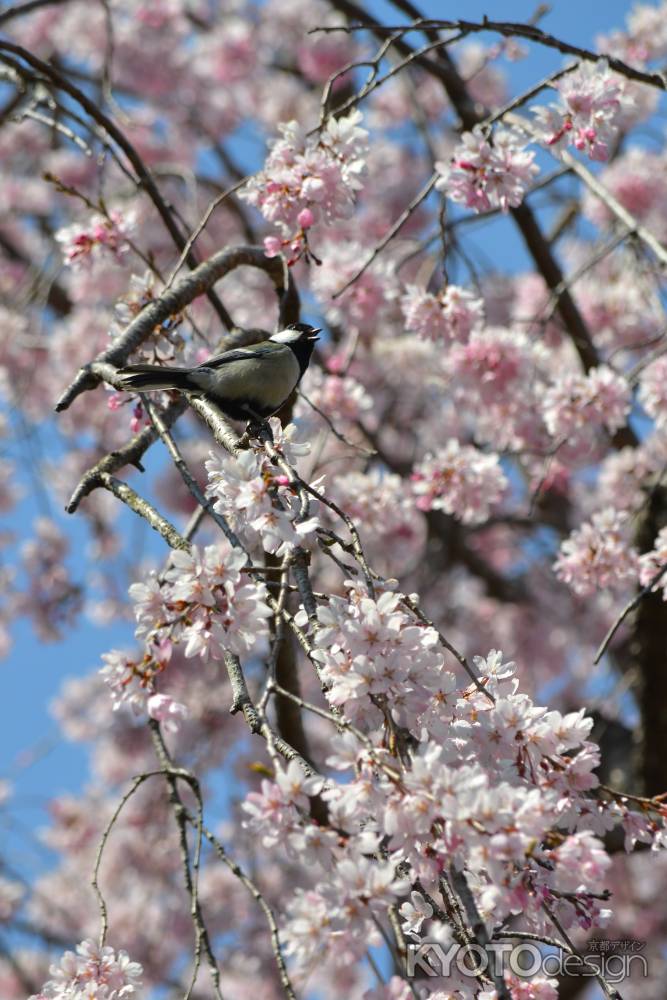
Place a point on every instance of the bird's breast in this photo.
(267, 382)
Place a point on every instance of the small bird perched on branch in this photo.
(247, 383)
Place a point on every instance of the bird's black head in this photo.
(301, 338)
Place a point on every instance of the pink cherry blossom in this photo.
(320, 176)
(164, 709)
(93, 972)
(591, 100)
(652, 562)
(461, 480)
(653, 391)
(450, 315)
(371, 661)
(484, 174)
(575, 401)
(84, 244)
(599, 554)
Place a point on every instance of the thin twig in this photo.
(144, 178)
(448, 646)
(630, 606)
(633, 226)
(477, 925)
(366, 452)
(609, 991)
(238, 872)
(200, 227)
(104, 915)
(193, 486)
(508, 29)
(190, 871)
(129, 454)
(393, 230)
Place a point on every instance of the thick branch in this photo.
(130, 454)
(144, 509)
(175, 299)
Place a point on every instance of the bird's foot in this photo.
(260, 429)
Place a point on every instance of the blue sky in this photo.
(32, 753)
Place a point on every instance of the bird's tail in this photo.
(141, 378)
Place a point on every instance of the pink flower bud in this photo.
(336, 363)
(305, 218)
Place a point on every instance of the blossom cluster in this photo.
(485, 174)
(371, 649)
(258, 499)
(461, 480)
(653, 391)
(652, 563)
(103, 236)
(52, 598)
(447, 383)
(577, 401)
(393, 530)
(498, 376)
(203, 602)
(306, 180)
(599, 554)
(368, 301)
(340, 397)
(491, 778)
(450, 315)
(92, 971)
(586, 118)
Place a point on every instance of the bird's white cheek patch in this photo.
(286, 337)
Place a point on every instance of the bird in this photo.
(246, 383)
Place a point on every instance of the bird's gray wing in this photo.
(254, 352)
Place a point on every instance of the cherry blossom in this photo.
(599, 554)
(415, 913)
(93, 971)
(104, 233)
(484, 175)
(651, 563)
(652, 394)
(164, 709)
(451, 315)
(387, 516)
(461, 480)
(341, 397)
(576, 401)
(303, 710)
(321, 175)
(591, 99)
(254, 495)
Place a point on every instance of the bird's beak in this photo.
(313, 334)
